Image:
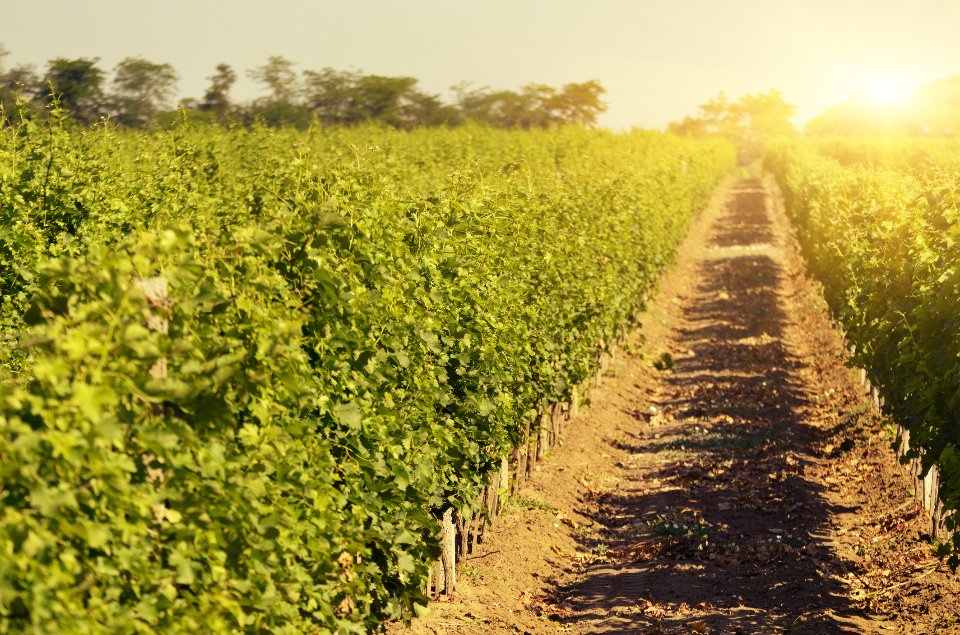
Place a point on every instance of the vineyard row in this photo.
(246, 372)
(879, 224)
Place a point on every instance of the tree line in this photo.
(931, 110)
(140, 93)
(747, 122)
(750, 118)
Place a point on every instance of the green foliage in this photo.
(885, 245)
(355, 326)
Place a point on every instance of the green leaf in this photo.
(348, 414)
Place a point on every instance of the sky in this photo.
(658, 59)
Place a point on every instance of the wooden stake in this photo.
(504, 480)
(530, 457)
(448, 552)
(517, 471)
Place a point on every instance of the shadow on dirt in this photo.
(720, 526)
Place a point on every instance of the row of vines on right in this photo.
(882, 237)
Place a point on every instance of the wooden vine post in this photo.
(447, 572)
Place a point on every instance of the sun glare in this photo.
(885, 91)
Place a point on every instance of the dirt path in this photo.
(728, 477)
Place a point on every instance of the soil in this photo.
(728, 476)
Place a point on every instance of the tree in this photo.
(718, 116)
(278, 76)
(750, 119)
(381, 98)
(722, 117)
(217, 97)
(766, 115)
(474, 104)
(421, 109)
(501, 109)
(344, 97)
(18, 90)
(8, 99)
(529, 108)
(579, 103)
(283, 106)
(535, 106)
(79, 85)
(141, 89)
(532, 107)
(330, 94)
(933, 108)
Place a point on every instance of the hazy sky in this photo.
(658, 59)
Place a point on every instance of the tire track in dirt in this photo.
(728, 477)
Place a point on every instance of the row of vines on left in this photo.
(244, 372)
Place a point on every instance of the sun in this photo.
(885, 91)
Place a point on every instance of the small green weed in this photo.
(528, 502)
(686, 524)
(664, 362)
